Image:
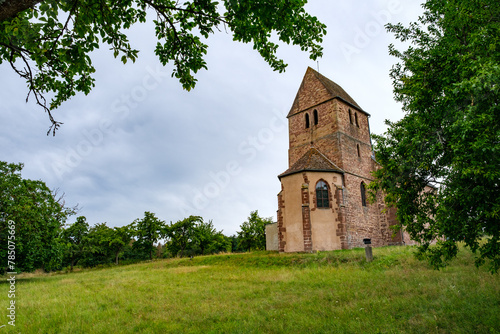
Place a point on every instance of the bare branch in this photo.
(27, 74)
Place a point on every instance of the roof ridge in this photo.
(332, 89)
(335, 89)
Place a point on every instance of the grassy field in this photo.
(326, 292)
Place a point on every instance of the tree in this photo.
(253, 232)
(220, 243)
(208, 240)
(97, 249)
(147, 231)
(48, 43)
(449, 139)
(35, 215)
(75, 238)
(120, 239)
(181, 235)
(204, 234)
(235, 244)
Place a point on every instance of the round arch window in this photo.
(322, 199)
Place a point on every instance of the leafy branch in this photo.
(54, 56)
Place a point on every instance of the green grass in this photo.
(327, 292)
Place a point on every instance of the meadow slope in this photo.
(325, 292)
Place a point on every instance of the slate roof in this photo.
(312, 161)
(333, 89)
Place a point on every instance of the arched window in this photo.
(350, 116)
(363, 194)
(322, 200)
(315, 113)
(356, 119)
(307, 121)
(359, 153)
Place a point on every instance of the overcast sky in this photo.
(138, 142)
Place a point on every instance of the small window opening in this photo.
(363, 194)
(359, 153)
(307, 121)
(343, 190)
(322, 200)
(350, 116)
(315, 113)
(356, 119)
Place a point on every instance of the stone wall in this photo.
(340, 132)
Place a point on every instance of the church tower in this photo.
(323, 202)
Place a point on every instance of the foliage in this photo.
(75, 239)
(193, 236)
(208, 241)
(449, 139)
(102, 245)
(253, 232)
(98, 250)
(235, 244)
(182, 235)
(37, 215)
(49, 45)
(119, 239)
(219, 244)
(96, 245)
(203, 235)
(147, 231)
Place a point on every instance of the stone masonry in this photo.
(329, 144)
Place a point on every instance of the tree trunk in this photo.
(10, 8)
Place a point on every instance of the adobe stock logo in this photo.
(364, 36)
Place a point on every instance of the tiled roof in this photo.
(312, 161)
(332, 89)
(335, 90)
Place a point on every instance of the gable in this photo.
(315, 89)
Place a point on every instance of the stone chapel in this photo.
(323, 201)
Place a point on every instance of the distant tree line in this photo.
(43, 240)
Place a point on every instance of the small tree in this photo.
(235, 243)
(120, 239)
(220, 243)
(253, 232)
(182, 234)
(208, 240)
(75, 238)
(148, 231)
(97, 250)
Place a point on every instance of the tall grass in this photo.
(326, 292)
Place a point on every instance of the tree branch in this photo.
(10, 8)
(161, 8)
(27, 74)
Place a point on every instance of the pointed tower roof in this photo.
(312, 161)
(324, 89)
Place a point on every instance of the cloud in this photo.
(138, 142)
